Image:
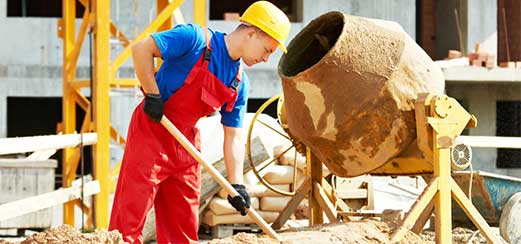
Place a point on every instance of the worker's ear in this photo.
(250, 32)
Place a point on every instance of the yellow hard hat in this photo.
(270, 19)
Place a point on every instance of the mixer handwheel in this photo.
(257, 121)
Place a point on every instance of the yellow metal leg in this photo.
(442, 204)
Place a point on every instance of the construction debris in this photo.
(67, 234)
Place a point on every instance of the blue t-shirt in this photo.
(180, 49)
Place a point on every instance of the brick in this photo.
(471, 57)
(454, 54)
(483, 56)
(490, 63)
(477, 63)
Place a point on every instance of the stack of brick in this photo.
(267, 202)
(482, 59)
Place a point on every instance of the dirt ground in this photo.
(67, 234)
(356, 232)
(459, 236)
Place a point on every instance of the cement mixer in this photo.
(349, 86)
(363, 98)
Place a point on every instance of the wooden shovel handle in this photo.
(216, 175)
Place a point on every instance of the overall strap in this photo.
(204, 59)
(234, 86)
(208, 51)
(237, 80)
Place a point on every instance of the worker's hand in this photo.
(153, 106)
(242, 201)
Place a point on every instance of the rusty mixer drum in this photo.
(349, 87)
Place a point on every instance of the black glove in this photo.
(153, 106)
(242, 201)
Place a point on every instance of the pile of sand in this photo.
(67, 234)
(356, 232)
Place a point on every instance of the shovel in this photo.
(216, 176)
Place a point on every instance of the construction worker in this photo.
(201, 74)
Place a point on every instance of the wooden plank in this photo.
(325, 203)
(46, 200)
(37, 143)
(339, 202)
(365, 214)
(300, 194)
(424, 217)
(370, 192)
(315, 215)
(42, 154)
(491, 141)
(227, 230)
(352, 194)
(27, 163)
(210, 187)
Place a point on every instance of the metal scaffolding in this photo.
(96, 19)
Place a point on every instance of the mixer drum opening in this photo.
(312, 44)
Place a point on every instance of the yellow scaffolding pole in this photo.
(67, 32)
(200, 12)
(101, 102)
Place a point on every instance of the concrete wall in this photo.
(481, 100)
(31, 53)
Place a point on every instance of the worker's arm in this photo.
(233, 149)
(143, 54)
(233, 158)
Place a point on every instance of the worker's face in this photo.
(258, 47)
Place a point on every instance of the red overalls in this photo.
(157, 170)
